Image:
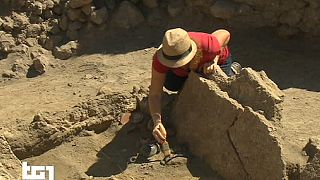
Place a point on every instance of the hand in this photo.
(159, 132)
(210, 68)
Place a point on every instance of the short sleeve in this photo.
(160, 68)
(207, 42)
(213, 45)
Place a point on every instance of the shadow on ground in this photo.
(113, 159)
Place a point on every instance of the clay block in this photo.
(255, 89)
(202, 122)
(258, 148)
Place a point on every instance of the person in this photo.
(180, 53)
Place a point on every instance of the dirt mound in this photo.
(235, 139)
(50, 129)
(8, 162)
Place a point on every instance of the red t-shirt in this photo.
(210, 49)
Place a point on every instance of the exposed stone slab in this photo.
(202, 122)
(255, 89)
(236, 141)
(257, 145)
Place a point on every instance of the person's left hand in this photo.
(210, 68)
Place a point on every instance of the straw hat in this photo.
(177, 48)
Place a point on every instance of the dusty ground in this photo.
(122, 64)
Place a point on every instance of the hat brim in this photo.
(180, 62)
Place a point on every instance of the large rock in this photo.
(20, 20)
(235, 139)
(78, 3)
(127, 15)
(7, 42)
(66, 51)
(40, 64)
(255, 89)
(10, 166)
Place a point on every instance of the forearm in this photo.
(155, 106)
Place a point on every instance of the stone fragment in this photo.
(37, 7)
(21, 48)
(255, 89)
(40, 64)
(7, 42)
(20, 66)
(33, 30)
(20, 20)
(127, 15)
(66, 51)
(8, 23)
(49, 4)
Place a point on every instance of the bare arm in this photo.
(156, 89)
(223, 36)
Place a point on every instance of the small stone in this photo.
(8, 23)
(49, 4)
(22, 48)
(7, 42)
(33, 30)
(88, 76)
(20, 66)
(40, 64)
(31, 42)
(47, 14)
(37, 8)
(99, 16)
(78, 3)
(20, 20)
(104, 90)
(66, 51)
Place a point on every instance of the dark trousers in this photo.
(175, 83)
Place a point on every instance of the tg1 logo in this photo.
(37, 172)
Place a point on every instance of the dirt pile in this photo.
(8, 162)
(239, 141)
(50, 129)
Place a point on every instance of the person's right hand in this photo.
(159, 132)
